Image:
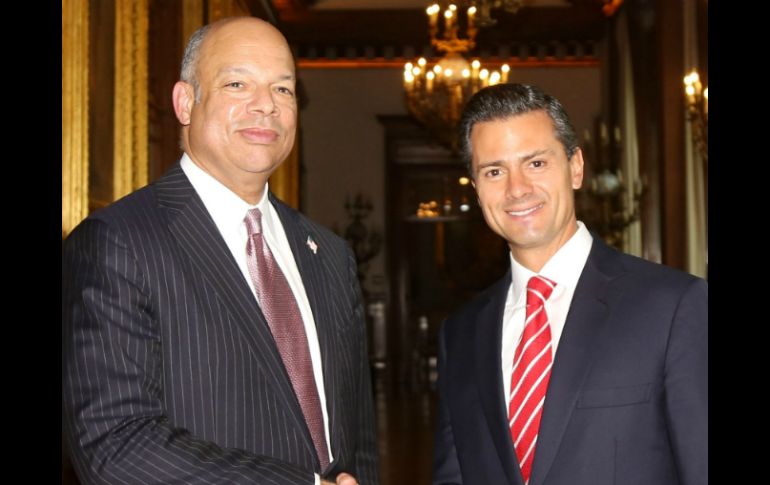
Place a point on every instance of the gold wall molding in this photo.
(74, 113)
(696, 193)
(284, 182)
(192, 19)
(219, 9)
(131, 110)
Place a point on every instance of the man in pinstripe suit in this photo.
(170, 370)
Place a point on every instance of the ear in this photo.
(184, 99)
(473, 184)
(576, 169)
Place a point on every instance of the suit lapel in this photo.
(197, 235)
(309, 263)
(488, 342)
(311, 269)
(585, 323)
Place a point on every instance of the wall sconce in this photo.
(485, 10)
(603, 205)
(697, 100)
(612, 216)
(365, 242)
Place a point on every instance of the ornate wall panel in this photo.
(130, 114)
(74, 122)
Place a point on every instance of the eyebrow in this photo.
(245, 71)
(536, 153)
(521, 158)
(494, 163)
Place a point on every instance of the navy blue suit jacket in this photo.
(627, 401)
(170, 371)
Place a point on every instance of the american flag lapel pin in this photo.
(312, 245)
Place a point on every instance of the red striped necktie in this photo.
(531, 372)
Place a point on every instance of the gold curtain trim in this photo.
(219, 9)
(192, 19)
(284, 182)
(74, 113)
(131, 110)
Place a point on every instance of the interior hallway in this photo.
(405, 425)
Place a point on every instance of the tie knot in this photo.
(253, 221)
(539, 288)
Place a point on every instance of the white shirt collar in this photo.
(564, 267)
(226, 208)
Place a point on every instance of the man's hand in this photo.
(342, 479)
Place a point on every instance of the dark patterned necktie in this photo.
(285, 320)
(531, 372)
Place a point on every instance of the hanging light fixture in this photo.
(436, 93)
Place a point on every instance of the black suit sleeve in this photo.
(113, 385)
(686, 385)
(446, 467)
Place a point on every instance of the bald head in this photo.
(232, 26)
(237, 103)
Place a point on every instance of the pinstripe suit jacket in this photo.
(170, 372)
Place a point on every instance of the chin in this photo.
(524, 240)
(260, 164)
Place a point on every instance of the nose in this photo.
(262, 102)
(519, 186)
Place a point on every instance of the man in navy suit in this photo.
(212, 334)
(583, 365)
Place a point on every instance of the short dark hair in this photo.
(190, 59)
(503, 101)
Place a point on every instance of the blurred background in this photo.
(381, 85)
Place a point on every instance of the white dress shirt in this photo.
(564, 268)
(229, 211)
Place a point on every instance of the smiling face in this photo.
(525, 184)
(243, 125)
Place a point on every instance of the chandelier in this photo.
(698, 112)
(436, 94)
